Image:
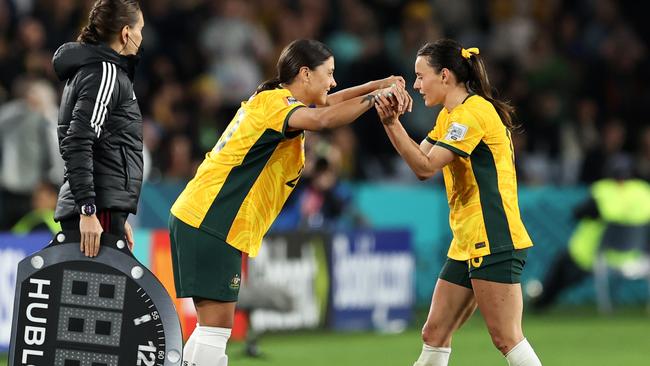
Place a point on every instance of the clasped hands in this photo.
(392, 100)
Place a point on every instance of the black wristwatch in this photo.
(88, 209)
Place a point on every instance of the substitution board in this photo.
(110, 310)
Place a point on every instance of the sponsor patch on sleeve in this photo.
(291, 100)
(456, 132)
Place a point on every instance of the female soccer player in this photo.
(471, 144)
(242, 184)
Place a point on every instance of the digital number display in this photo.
(97, 290)
(89, 326)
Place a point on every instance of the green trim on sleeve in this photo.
(430, 140)
(453, 149)
(286, 120)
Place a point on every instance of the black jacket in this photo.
(100, 129)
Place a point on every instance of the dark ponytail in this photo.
(470, 70)
(107, 18)
(269, 85)
(480, 84)
(299, 53)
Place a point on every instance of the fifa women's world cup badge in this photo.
(456, 132)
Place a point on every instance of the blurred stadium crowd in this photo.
(577, 72)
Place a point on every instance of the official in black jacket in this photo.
(100, 125)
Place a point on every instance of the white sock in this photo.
(209, 346)
(523, 355)
(433, 356)
(188, 350)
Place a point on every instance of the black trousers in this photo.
(112, 222)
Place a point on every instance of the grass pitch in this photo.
(567, 338)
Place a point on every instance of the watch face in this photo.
(88, 209)
(71, 310)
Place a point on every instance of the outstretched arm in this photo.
(424, 164)
(315, 119)
(363, 89)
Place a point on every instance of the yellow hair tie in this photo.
(467, 53)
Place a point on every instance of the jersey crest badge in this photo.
(234, 283)
(291, 100)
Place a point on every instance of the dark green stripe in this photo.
(494, 215)
(239, 182)
(285, 125)
(432, 141)
(453, 149)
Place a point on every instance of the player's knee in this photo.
(501, 344)
(436, 335)
(503, 341)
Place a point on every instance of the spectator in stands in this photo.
(419, 23)
(41, 218)
(579, 135)
(643, 154)
(27, 146)
(611, 149)
(179, 159)
(323, 200)
(236, 47)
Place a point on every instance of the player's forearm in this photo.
(345, 112)
(410, 151)
(353, 92)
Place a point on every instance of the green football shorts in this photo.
(204, 265)
(503, 267)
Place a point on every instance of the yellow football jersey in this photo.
(241, 186)
(481, 183)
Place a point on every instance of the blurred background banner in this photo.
(292, 265)
(373, 283)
